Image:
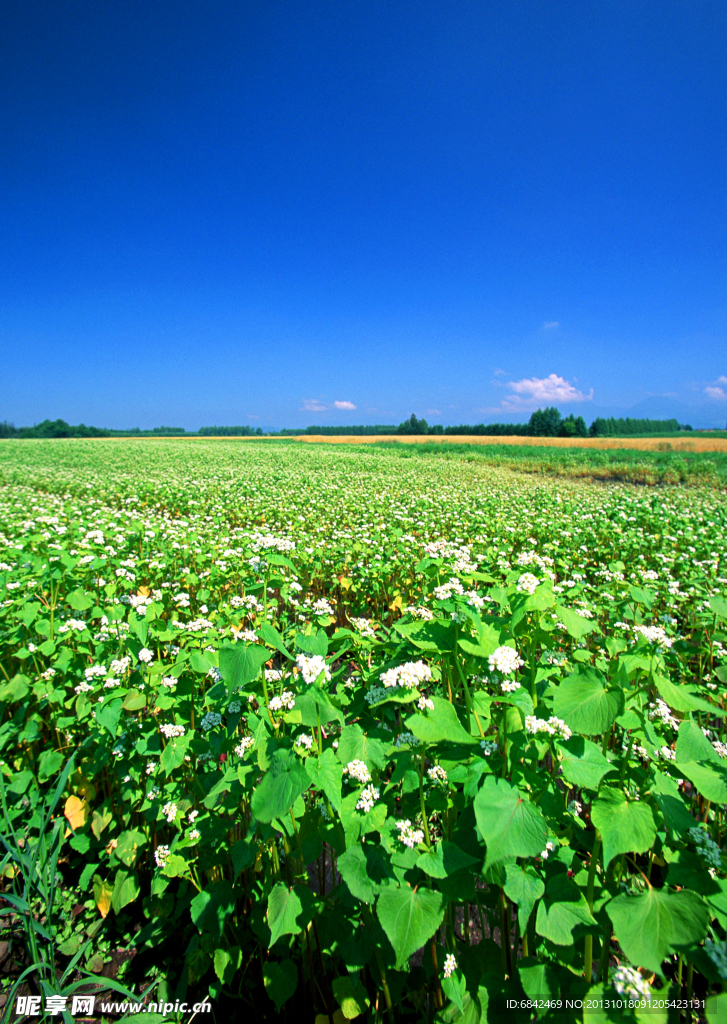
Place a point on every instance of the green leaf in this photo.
(317, 643)
(524, 886)
(671, 803)
(539, 983)
(682, 699)
(719, 607)
(201, 661)
(585, 704)
(15, 689)
(626, 826)
(126, 889)
(353, 868)
(716, 1007)
(289, 910)
(583, 763)
(657, 923)
(315, 707)
(710, 779)
(444, 859)
(270, 636)
(174, 753)
(355, 745)
(108, 715)
(227, 963)
(49, 764)
(576, 625)
(410, 917)
(79, 601)
(562, 908)
(693, 745)
(351, 996)
(326, 773)
(211, 908)
(128, 845)
(509, 823)
(240, 664)
(440, 725)
(280, 980)
(281, 785)
(134, 701)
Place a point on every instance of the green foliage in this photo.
(334, 712)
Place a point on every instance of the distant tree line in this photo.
(542, 423)
(244, 431)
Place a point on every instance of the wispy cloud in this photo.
(717, 390)
(343, 405)
(550, 324)
(313, 405)
(434, 412)
(532, 392)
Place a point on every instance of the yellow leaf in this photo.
(143, 592)
(102, 893)
(75, 812)
(346, 583)
(396, 603)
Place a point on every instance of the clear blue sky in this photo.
(241, 212)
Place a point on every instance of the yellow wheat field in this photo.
(652, 444)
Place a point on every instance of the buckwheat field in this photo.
(327, 733)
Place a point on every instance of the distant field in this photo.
(647, 444)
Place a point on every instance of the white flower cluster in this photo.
(628, 982)
(323, 607)
(244, 745)
(654, 635)
(286, 700)
(437, 774)
(575, 807)
(266, 541)
(368, 798)
(475, 601)
(211, 720)
(273, 675)
(407, 676)
(533, 558)
(717, 953)
(249, 636)
(661, 710)
(171, 730)
(450, 965)
(425, 704)
(409, 836)
(549, 848)
(720, 747)
(304, 740)
(73, 624)
(706, 847)
(119, 666)
(453, 586)
(527, 583)
(489, 747)
(509, 686)
(161, 855)
(169, 681)
(311, 667)
(505, 660)
(357, 771)
(169, 811)
(554, 726)
(364, 627)
(419, 612)
(214, 674)
(249, 601)
(93, 671)
(146, 656)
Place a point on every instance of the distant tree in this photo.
(413, 426)
(573, 426)
(545, 423)
(7, 429)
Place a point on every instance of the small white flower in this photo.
(437, 774)
(368, 798)
(169, 811)
(311, 667)
(425, 704)
(409, 836)
(505, 660)
(357, 770)
(146, 656)
(161, 855)
(450, 965)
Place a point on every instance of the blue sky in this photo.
(284, 213)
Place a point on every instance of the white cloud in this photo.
(532, 392)
(434, 412)
(313, 405)
(716, 390)
(550, 324)
(343, 405)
